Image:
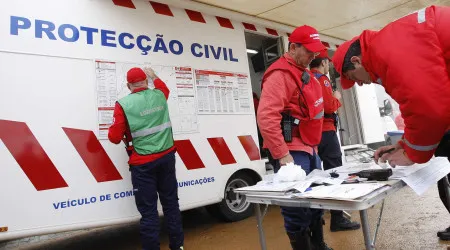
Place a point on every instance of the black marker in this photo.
(385, 152)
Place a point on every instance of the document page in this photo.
(341, 192)
(428, 175)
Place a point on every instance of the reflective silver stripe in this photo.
(150, 131)
(319, 115)
(421, 16)
(421, 148)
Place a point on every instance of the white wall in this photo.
(382, 95)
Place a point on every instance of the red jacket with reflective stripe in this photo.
(330, 103)
(280, 93)
(411, 57)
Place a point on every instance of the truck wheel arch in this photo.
(233, 207)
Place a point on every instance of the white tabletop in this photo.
(362, 203)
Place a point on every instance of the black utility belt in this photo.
(333, 116)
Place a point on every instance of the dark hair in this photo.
(316, 62)
(353, 50)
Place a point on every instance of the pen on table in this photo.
(384, 152)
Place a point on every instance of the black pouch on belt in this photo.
(286, 126)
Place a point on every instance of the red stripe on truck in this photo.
(224, 22)
(272, 32)
(195, 16)
(249, 26)
(93, 154)
(221, 150)
(161, 8)
(189, 155)
(30, 156)
(124, 3)
(250, 147)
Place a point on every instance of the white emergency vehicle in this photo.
(62, 68)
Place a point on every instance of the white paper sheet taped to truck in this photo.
(222, 92)
(112, 85)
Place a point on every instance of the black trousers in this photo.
(444, 150)
(150, 180)
(330, 150)
(441, 188)
(331, 156)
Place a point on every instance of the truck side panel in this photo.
(48, 94)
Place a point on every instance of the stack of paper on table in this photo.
(420, 177)
(269, 186)
(353, 168)
(280, 187)
(318, 176)
(341, 192)
(400, 172)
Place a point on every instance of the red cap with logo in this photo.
(136, 75)
(308, 37)
(338, 62)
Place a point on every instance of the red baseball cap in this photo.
(324, 54)
(308, 37)
(136, 75)
(338, 62)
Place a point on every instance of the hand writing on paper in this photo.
(398, 158)
(385, 150)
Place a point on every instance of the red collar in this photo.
(139, 89)
(316, 71)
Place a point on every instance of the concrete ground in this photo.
(409, 222)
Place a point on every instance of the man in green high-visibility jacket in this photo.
(143, 119)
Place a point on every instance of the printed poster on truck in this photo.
(222, 92)
(112, 85)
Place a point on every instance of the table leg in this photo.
(262, 238)
(366, 229)
(378, 225)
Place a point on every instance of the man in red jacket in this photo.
(142, 117)
(292, 96)
(330, 148)
(410, 58)
(402, 57)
